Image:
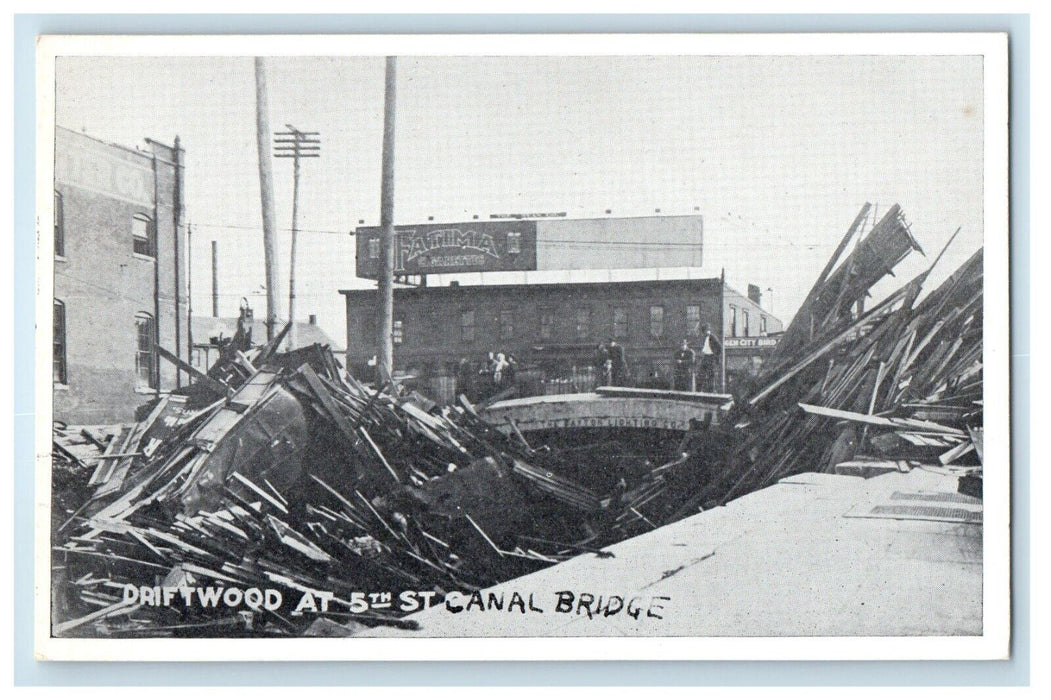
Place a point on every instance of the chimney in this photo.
(754, 294)
(313, 319)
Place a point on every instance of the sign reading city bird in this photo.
(759, 342)
(432, 249)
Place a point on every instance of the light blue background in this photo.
(944, 673)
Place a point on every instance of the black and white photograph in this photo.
(673, 345)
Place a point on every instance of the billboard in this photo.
(478, 246)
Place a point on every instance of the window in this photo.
(693, 320)
(547, 324)
(398, 332)
(467, 326)
(762, 325)
(514, 243)
(744, 318)
(507, 325)
(58, 344)
(620, 323)
(733, 321)
(60, 226)
(144, 236)
(374, 248)
(583, 317)
(657, 321)
(145, 357)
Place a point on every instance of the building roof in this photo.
(207, 327)
(480, 288)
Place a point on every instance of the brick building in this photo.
(553, 330)
(120, 280)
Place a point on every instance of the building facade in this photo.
(119, 280)
(553, 330)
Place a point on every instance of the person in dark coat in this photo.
(465, 379)
(710, 352)
(685, 378)
(620, 363)
(604, 366)
(511, 371)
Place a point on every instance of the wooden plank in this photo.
(879, 420)
(955, 453)
(213, 384)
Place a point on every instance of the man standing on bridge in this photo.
(710, 350)
(685, 364)
(620, 363)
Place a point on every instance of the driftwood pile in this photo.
(302, 480)
(856, 391)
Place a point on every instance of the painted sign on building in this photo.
(480, 246)
(103, 169)
(750, 343)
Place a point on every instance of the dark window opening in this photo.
(58, 344)
(620, 323)
(467, 326)
(60, 226)
(657, 321)
(693, 320)
(507, 325)
(547, 324)
(144, 236)
(145, 355)
(583, 324)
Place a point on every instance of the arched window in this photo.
(144, 235)
(60, 225)
(58, 344)
(145, 351)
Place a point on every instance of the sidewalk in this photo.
(815, 554)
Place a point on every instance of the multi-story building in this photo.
(120, 280)
(554, 330)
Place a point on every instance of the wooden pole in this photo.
(266, 193)
(385, 308)
(215, 280)
(189, 293)
(722, 331)
(292, 339)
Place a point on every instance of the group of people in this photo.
(496, 375)
(688, 365)
(612, 364)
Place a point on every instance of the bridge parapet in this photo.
(608, 407)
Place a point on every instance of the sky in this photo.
(778, 153)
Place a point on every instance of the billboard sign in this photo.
(432, 249)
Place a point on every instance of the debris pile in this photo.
(862, 392)
(299, 479)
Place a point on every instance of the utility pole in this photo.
(295, 144)
(385, 309)
(722, 331)
(266, 193)
(215, 280)
(189, 294)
